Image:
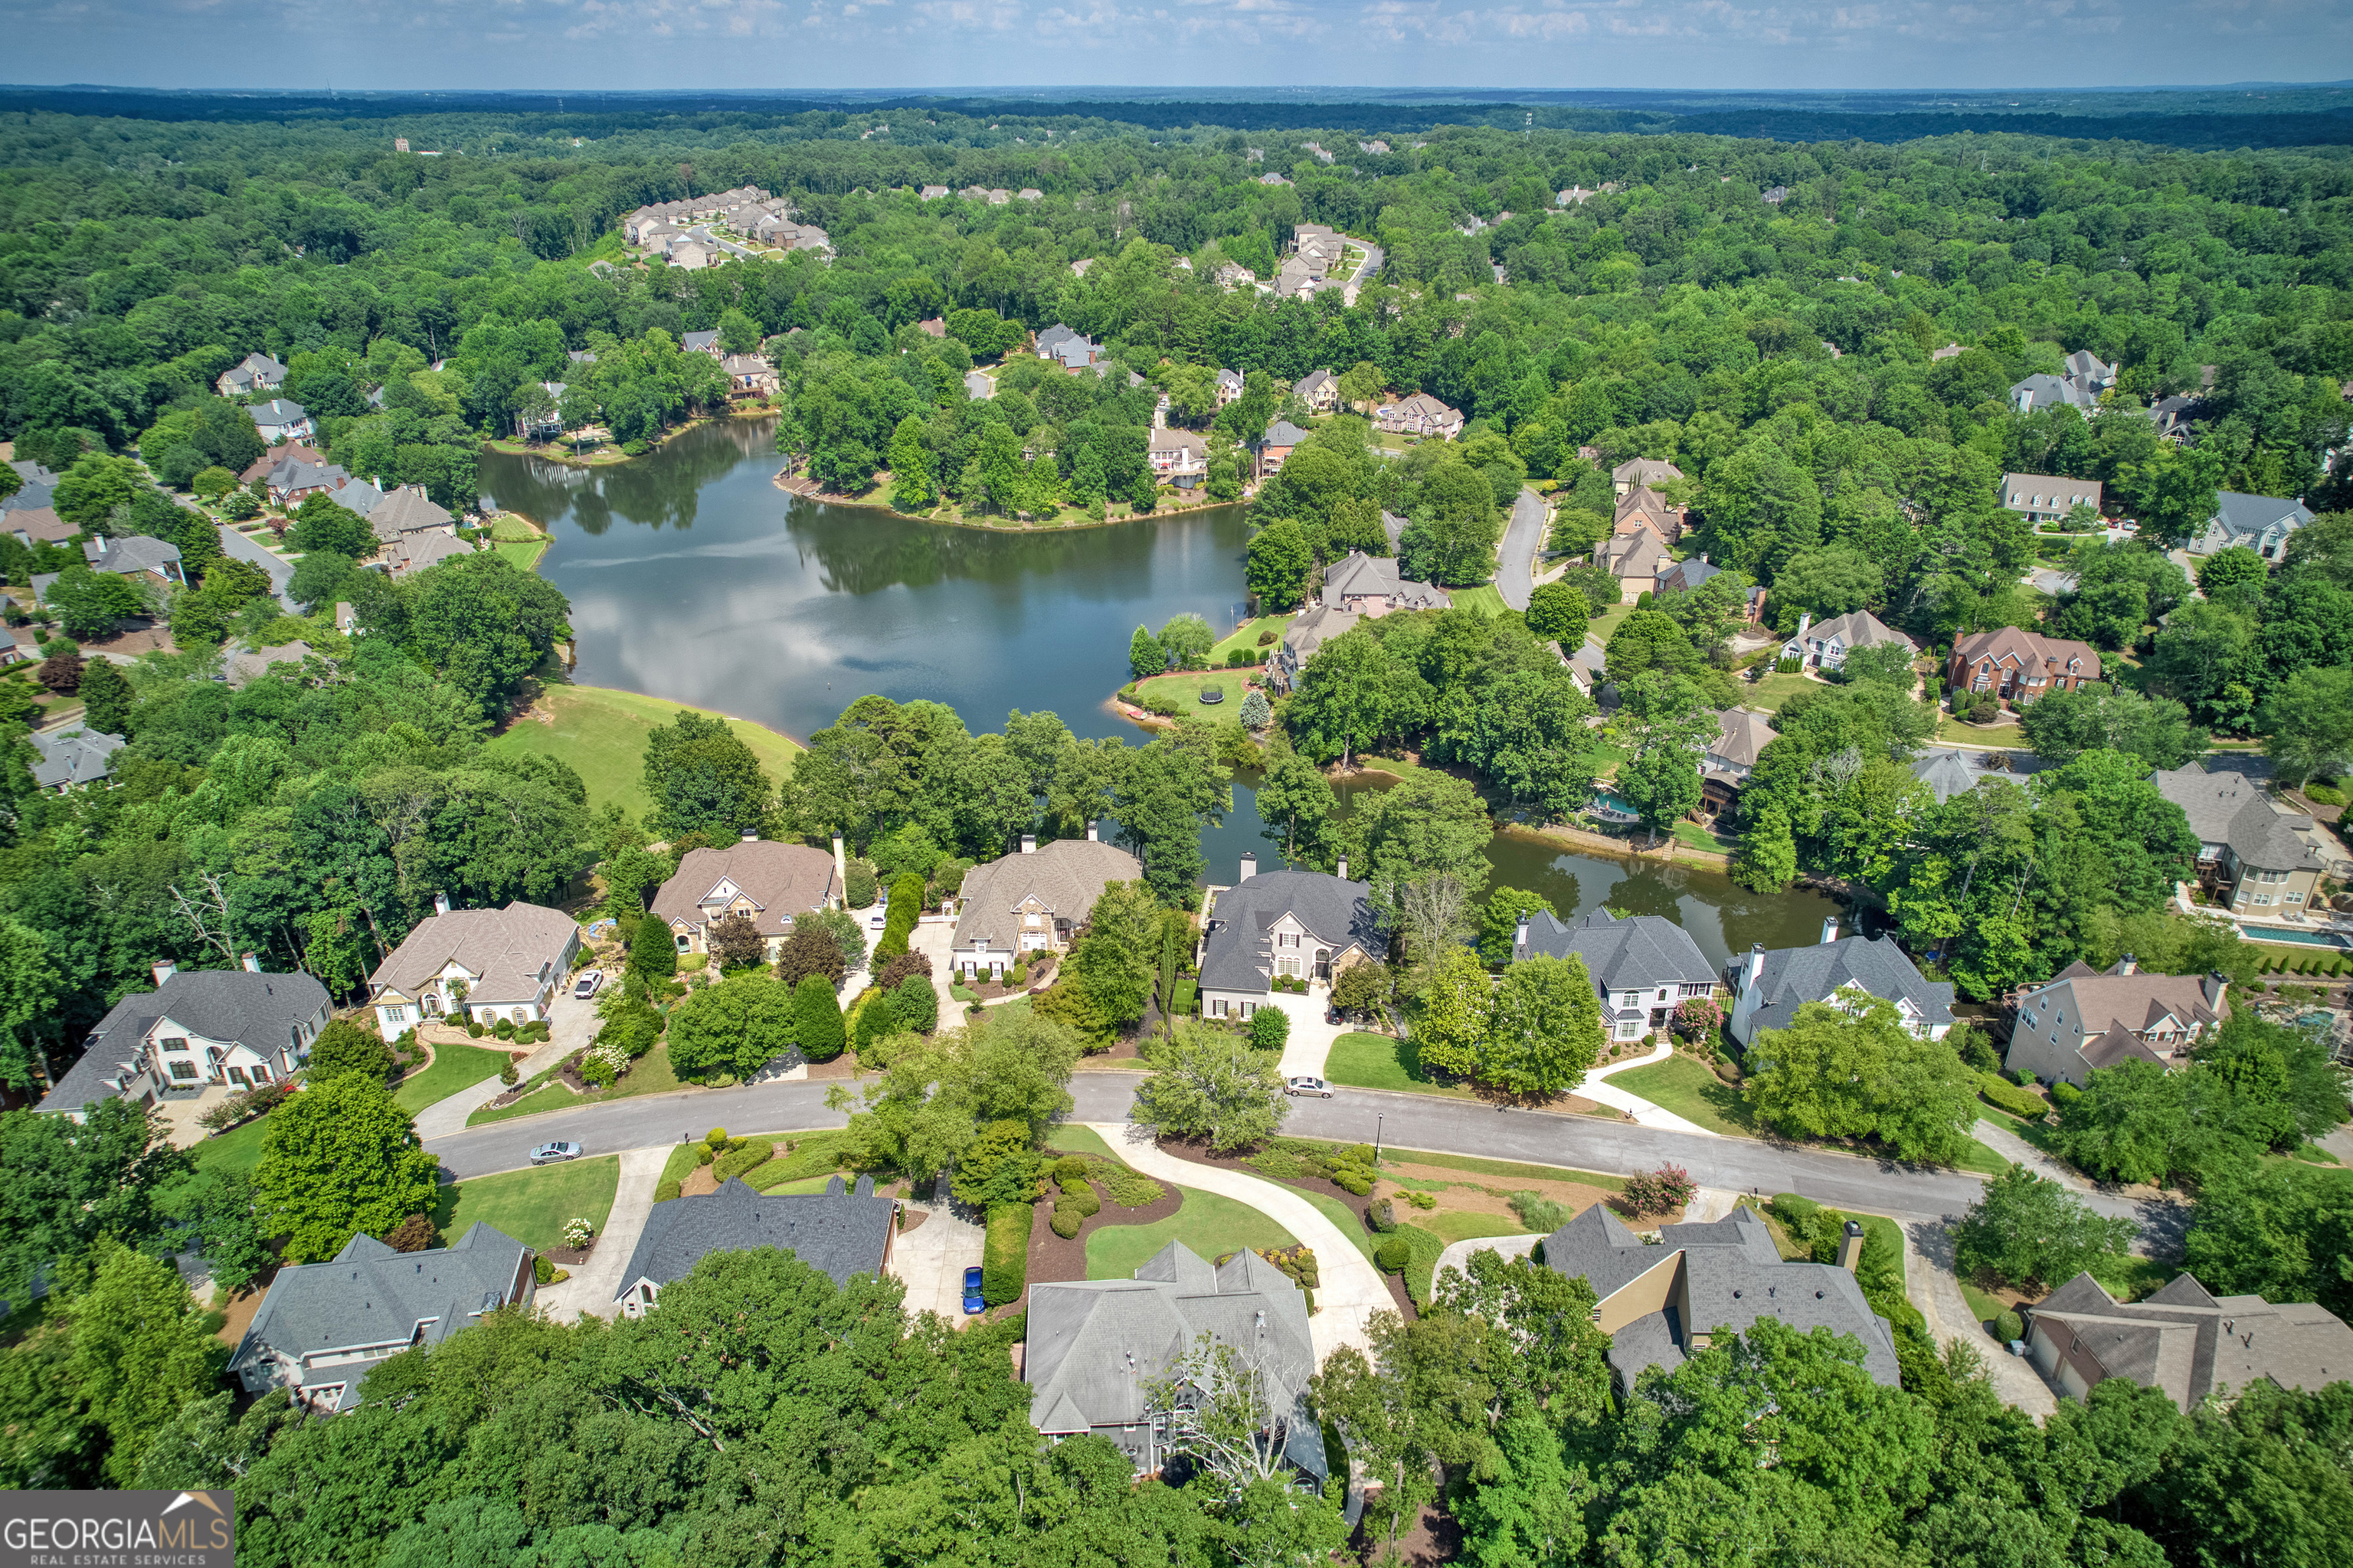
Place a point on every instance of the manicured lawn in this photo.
(1601, 626)
(1982, 1160)
(1248, 636)
(2006, 736)
(1768, 694)
(1692, 1092)
(1182, 692)
(1077, 1139)
(602, 734)
(650, 1075)
(1362, 1061)
(1464, 1224)
(454, 1068)
(1339, 1214)
(236, 1151)
(523, 553)
(1511, 1168)
(1482, 599)
(1985, 1308)
(2041, 1134)
(1697, 837)
(1209, 1225)
(533, 1206)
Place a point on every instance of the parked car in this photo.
(1312, 1087)
(549, 1153)
(877, 918)
(589, 984)
(972, 1301)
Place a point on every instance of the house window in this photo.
(2261, 899)
(396, 1014)
(684, 943)
(2293, 898)
(185, 1071)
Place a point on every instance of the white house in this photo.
(1768, 988)
(1292, 924)
(1826, 646)
(486, 964)
(237, 1027)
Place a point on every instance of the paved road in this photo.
(281, 570)
(1515, 563)
(1460, 1127)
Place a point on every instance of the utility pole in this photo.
(1377, 1120)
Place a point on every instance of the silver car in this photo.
(549, 1153)
(1315, 1089)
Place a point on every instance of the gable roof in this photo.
(2029, 650)
(1742, 735)
(111, 1057)
(1065, 876)
(1856, 628)
(1947, 773)
(411, 553)
(1359, 575)
(1315, 626)
(40, 525)
(258, 1011)
(2047, 491)
(136, 553)
(408, 510)
(699, 342)
(506, 949)
(1284, 433)
(837, 1231)
(74, 757)
(2242, 516)
(2139, 1000)
(2226, 806)
(2193, 1344)
(1645, 471)
(261, 466)
(1234, 953)
(1795, 976)
(783, 880)
(1638, 951)
(1314, 382)
(278, 411)
(1687, 575)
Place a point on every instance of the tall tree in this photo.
(339, 1160)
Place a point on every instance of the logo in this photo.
(118, 1530)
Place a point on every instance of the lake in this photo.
(693, 577)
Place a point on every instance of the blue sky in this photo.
(820, 43)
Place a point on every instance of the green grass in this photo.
(1768, 694)
(533, 1206)
(1464, 1224)
(1183, 690)
(1693, 836)
(1248, 636)
(1682, 1085)
(1509, 1169)
(236, 1152)
(1209, 1225)
(1485, 598)
(524, 554)
(1982, 1160)
(2042, 1135)
(1362, 1061)
(602, 734)
(2007, 736)
(649, 1076)
(454, 1068)
(1078, 1139)
(1339, 1214)
(1985, 1308)
(2312, 1154)
(1601, 627)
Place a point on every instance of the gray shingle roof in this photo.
(1065, 876)
(699, 342)
(138, 552)
(837, 1232)
(1742, 735)
(279, 411)
(1947, 773)
(1315, 626)
(109, 1058)
(74, 757)
(1284, 433)
(1794, 976)
(1732, 1275)
(2242, 516)
(1235, 954)
(1641, 950)
(408, 510)
(260, 1012)
(2226, 806)
(2191, 1343)
(506, 948)
(1357, 575)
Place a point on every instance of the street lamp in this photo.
(1378, 1119)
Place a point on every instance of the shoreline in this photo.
(611, 456)
(781, 479)
(1671, 849)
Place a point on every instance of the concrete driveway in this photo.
(930, 1260)
(1516, 561)
(571, 1025)
(1309, 1044)
(589, 1292)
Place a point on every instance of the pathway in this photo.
(571, 1026)
(2009, 1146)
(1633, 1105)
(1516, 561)
(243, 548)
(1351, 1291)
(1458, 1254)
(589, 1292)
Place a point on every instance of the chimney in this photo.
(1028, 844)
(1093, 827)
(1851, 1245)
(102, 543)
(1343, 868)
(1804, 622)
(441, 904)
(751, 835)
(840, 868)
(1249, 868)
(252, 962)
(1520, 938)
(1755, 965)
(2128, 965)
(1829, 929)
(164, 971)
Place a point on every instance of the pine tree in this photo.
(1144, 654)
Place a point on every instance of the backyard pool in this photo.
(2301, 939)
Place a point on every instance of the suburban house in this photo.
(1419, 415)
(149, 560)
(73, 758)
(978, 387)
(1741, 736)
(260, 467)
(410, 510)
(291, 481)
(1589, 668)
(837, 1232)
(254, 373)
(2258, 523)
(1642, 473)
(2254, 850)
(244, 665)
(1068, 349)
(2194, 1345)
(2045, 497)
(1826, 646)
(1686, 575)
(1370, 585)
(280, 420)
(1643, 507)
(1180, 457)
(2085, 1019)
(692, 208)
(1660, 1303)
(2082, 379)
(931, 192)
(701, 343)
(1301, 925)
(690, 255)
(1231, 276)
(413, 552)
(2018, 666)
(1948, 771)
(1638, 557)
(38, 525)
(1275, 447)
(1230, 386)
(324, 1326)
(1308, 630)
(211, 1026)
(1768, 988)
(1035, 901)
(1643, 967)
(487, 964)
(1095, 1346)
(1320, 390)
(750, 375)
(770, 882)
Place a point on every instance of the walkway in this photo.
(571, 1026)
(1516, 562)
(589, 1292)
(1351, 1291)
(2009, 1146)
(1458, 1254)
(1633, 1105)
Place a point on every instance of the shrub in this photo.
(1269, 1028)
(1355, 1180)
(664, 1192)
(578, 1233)
(859, 886)
(1267, 638)
(1065, 1223)
(503, 1029)
(702, 1154)
(1537, 1212)
(1080, 1195)
(2022, 1078)
(900, 967)
(1392, 1254)
(473, 1030)
(2008, 1327)
(414, 1234)
(507, 1075)
(1005, 1255)
(1668, 1188)
(1130, 1188)
(1018, 976)
(716, 1138)
(1358, 1154)
(1422, 1200)
(2000, 1091)
(754, 1152)
(1067, 1166)
(543, 1270)
(1381, 1217)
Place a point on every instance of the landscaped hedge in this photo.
(2000, 1091)
(1425, 1247)
(664, 1191)
(756, 1152)
(1005, 1255)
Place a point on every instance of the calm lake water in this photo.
(692, 578)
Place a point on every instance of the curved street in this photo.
(1516, 561)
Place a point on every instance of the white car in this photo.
(589, 984)
(877, 918)
(1314, 1088)
(549, 1153)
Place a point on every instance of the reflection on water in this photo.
(692, 578)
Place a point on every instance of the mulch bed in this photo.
(568, 1256)
(1199, 1154)
(1041, 975)
(1435, 1538)
(1053, 1259)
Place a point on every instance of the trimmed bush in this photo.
(1067, 1166)
(473, 1030)
(1381, 1217)
(543, 1270)
(1354, 1180)
(1358, 1154)
(1428, 1201)
(2018, 1101)
(2008, 1327)
(702, 1155)
(2065, 1093)
(1392, 1254)
(1065, 1221)
(1269, 1028)
(1018, 976)
(1077, 1193)
(754, 1152)
(1005, 1255)
(665, 1191)
(1130, 1188)
(716, 1138)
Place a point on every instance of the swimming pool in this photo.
(2301, 939)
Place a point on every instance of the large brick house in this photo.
(2018, 666)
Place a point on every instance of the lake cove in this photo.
(693, 578)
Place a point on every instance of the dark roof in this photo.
(2231, 806)
(837, 1231)
(1794, 976)
(2191, 1343)
(110, 1058)
(1622, 955)
(1284, 433)
(133, 552)
(1235, 954)
(74, 755)
(699, 341)
(1685, 575)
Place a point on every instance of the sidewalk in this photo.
(2009, 1146)
(589, 1292)
(1352, 1290)
(570, 1029)
(1644, 1113)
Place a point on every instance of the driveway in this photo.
(1516, 562)
(930, 1260)
(1929, 1285)
(589, 1292)
(1309, 1043)
(281, 570)
(1641, 1109)
(571, 1025)
(1352, 1290)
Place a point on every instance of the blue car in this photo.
(972, 1301)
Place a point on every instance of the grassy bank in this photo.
(602, 734)
(533, 1206)
(454, 1068)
